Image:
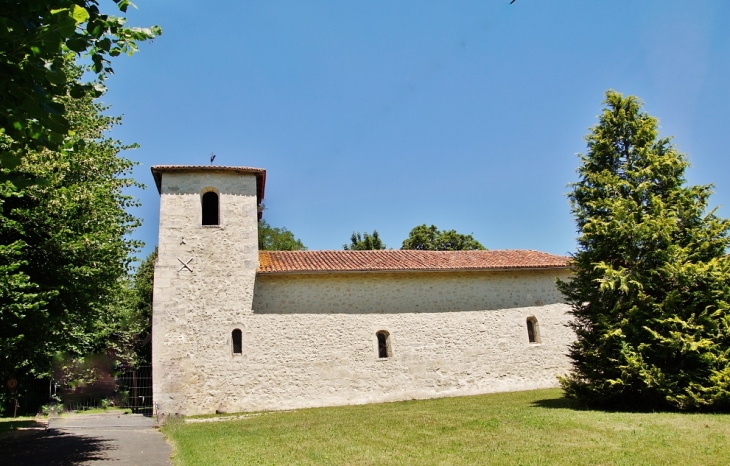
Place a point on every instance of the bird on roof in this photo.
(212, 157)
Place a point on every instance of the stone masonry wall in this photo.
(191, 306)
(405, 292)
(311, 340)
(305, 360)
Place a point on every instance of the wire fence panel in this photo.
(134, 390)
(131, 389)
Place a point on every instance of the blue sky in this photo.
(386, 115)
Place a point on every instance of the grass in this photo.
(523, 428)
(10, 424)
(99, 411)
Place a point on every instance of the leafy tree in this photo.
(427, 238)
(64, 245)
(651, 285)
(37, 38)
(364, 242)
(125, 330)
(143, 286)
(120, 340)
(277, 239)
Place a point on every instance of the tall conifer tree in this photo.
(651, 283)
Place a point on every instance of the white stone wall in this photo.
(193, 309)
(311, 339)
(305, 360)
(405, 292)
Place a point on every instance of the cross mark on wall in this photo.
(184, 264)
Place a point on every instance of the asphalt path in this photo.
(87, 439)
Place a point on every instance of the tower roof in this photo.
(158, 170)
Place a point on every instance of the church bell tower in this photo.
(204, 278)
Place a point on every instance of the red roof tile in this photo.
(404, 260)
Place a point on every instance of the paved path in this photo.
(88, 439)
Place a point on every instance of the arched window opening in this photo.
(237, 340)
(533, 333)
(383, 344)
(210, 208)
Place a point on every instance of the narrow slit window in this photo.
(210, 208)
(236, 339)
(533, 334)
(383, 344)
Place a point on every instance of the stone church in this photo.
(238, 329)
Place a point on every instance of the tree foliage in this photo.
(124, 330)
(277, 239)
(64, 245)
(651, 287)
(143, 286)
(364, 242)
(37, 39)
(427, 238)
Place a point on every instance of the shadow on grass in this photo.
(50, 447)
(7, 426)
(559, 403)
(575, 405)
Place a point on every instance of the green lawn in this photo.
(535, 427)
(10, 424)
(98, 411)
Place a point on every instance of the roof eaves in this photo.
(158, 170)
(410, 270)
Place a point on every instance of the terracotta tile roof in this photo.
(158, 170)
(409, 260)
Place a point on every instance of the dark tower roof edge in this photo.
(158, 170)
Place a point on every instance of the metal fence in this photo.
(131, 389)
(134, 390)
